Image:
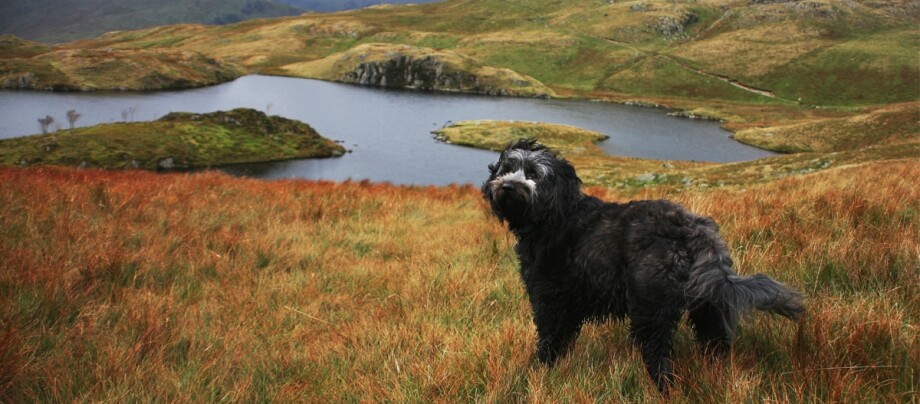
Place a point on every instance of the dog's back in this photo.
(660, 246)
(654, 260)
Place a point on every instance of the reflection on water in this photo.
(388, 131)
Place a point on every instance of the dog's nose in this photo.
(507, 186)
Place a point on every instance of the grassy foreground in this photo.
(177, 140)
(123, 286)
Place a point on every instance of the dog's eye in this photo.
(531, 171)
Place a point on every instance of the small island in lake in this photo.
(176, 141)
(496, 135)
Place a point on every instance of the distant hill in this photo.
(339, 5)
(55, 21)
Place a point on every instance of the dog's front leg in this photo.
(557, 328)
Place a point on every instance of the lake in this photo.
(388, 131)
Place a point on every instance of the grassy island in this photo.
(177, 140)
(495, 135)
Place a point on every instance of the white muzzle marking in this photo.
(518, 177)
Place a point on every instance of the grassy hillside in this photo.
(202, 287)
(177, 140)
(340, 5)
(28, 65)
(12, 47)
(55, 21)
(888, 124)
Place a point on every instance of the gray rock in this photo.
(167, 163)
(671, 26)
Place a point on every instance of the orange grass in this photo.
(124, 286)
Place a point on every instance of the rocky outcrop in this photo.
(19, 81)
(427, 73)
(675, 26)
(405, 66)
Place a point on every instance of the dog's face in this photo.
(527, 180)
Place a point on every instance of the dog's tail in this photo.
(713, 281)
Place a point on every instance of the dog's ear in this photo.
(492, 168)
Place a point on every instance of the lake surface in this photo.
(388, 131)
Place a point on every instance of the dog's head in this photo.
(530, 183)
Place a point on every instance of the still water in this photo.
(388, 131)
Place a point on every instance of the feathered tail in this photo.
(712, 281)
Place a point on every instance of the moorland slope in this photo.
(56, 21)
(200, 287)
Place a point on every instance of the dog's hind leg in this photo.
(652, 330)
(713, 329)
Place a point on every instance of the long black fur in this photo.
(583, 259)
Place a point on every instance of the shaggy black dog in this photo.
(583, 259)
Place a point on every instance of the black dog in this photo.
(583, 259)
